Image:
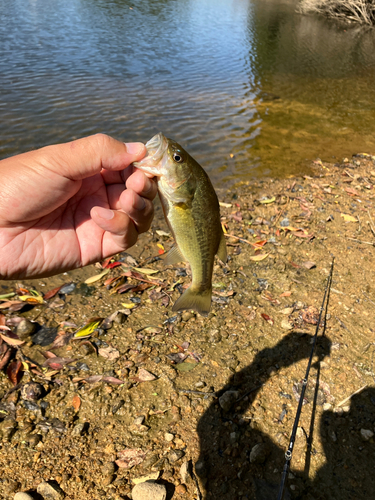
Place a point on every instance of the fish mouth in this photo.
(156, 148)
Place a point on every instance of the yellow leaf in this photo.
(267, 200)
(128, 305)
(223, 227)
(97, 277)
(349, 218)
(144, 270)
(32, 299)
(88, 329)
(259, 257)
(159, 245)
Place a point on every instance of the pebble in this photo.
(168, 437)
(25, 328)
(32, 391)
(50, 491)
(21, 495)
(228, 399)
(175, 455)
(259, 453)
(366, 434)
(149, 491)
(181, 489)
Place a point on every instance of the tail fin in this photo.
(197, 300)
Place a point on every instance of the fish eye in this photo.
(178, 157)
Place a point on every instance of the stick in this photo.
(360, 241)
(351, 395)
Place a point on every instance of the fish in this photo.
(191, 209)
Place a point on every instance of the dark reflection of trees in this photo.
(226, 470)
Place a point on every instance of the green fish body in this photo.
(191, 209)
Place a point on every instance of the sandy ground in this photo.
(205, 406)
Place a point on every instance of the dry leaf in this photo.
(76, 402)
(130, 457)
(109, 353)
(97, 277)
(11, 341)
(258, 258)
(349, 218)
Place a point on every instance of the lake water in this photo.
(249, 87)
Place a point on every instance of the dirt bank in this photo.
(151, 392)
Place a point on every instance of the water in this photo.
(249, 87)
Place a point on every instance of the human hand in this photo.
(66, 206)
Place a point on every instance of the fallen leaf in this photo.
(76, 402)
(225, 205)
(12, 305)
(286, 294)
(349, 218)
(308, 264)
(57, 363)
(32, 299)
(130, 457)
(88, 329)
(265, 201)
(258, 258)
(52, 293)
(310, 315)
(144, 270)
(15, 371)
(11, 341)
(268, 318)
(97, 277)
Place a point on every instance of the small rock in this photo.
(366, 434)
(25, 328)
(168, 437)
(144, 375)
(181, 489)
(32, 391)
(50, 491)
(228, 399)
(187, 315)
(78, 429)
(327, 406)
(149, 491)
(259, 453)
(21, 495)
(175, 455)
(107, 480)
(332, 435)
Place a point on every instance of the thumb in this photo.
(88, 156)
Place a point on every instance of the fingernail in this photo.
(135, 148)
(104, 213)
(138, 202)
(148, 185)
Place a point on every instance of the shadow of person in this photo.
(349, 470)
(224, 467)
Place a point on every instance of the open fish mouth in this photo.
(156, 148)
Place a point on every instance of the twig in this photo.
(351, 395)
(360, 241)
(242, 239)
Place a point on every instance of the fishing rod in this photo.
(289, 452)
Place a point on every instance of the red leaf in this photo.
(267, 318)
(114, 264)
(52, 293)
(15, 372)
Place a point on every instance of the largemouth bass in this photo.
(191, 209)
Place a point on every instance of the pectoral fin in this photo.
(174, 256)
(222, 250)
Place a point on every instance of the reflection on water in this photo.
(248, 79)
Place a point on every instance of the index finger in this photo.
(88, 156)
